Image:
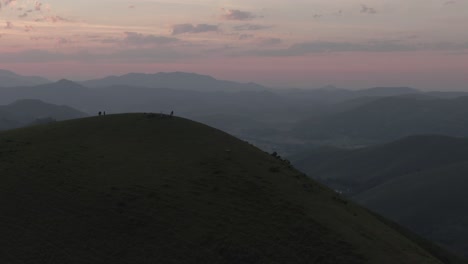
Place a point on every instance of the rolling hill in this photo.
(29, 111)
(419, 182)
(11, 79)
(356, 170)
(139, 188)
(435, 204)
(390, 118)
(334, 95)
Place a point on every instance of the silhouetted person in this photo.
(104, 112)
(100, 113)
(172, 114)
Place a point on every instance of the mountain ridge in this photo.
(11, 79)
(174, 80)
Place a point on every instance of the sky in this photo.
(296, 43)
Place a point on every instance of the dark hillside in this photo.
(435, 204)
(419, 182)
(143, 189)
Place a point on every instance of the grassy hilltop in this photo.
(140, 189)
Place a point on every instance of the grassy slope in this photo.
(133, 189)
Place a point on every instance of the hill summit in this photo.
(142, 188)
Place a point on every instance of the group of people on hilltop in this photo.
(161, 115)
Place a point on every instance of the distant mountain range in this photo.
(11, 79)
(29, 111)
(331, 94)
(174, 80)
(324, 115)
(420, 182)
(390, 118)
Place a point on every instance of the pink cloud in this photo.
(189, 28)
(234, 14)
(138, 39)
(52, 19)
(28, 28)
(9, 25)
(37, 6)
(368, 10)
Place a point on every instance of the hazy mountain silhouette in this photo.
(60, 92)
(331, 94)
(11, 79)
(174, 80)
(140, 188)
(386, 91)
(391, 118)
(257, 106)
(361, 169)
(419, 181)
(28, 111)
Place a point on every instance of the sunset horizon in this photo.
(307, 44)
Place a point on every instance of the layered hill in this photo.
(174, 80)
(356, 170)
(390, 118)
(140, 188)
(432, 203)
(11, 79)
(30, 111)
(332, 94)
(419, 182)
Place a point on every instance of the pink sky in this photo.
(300, 43)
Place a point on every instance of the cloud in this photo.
(189, 28)
(300, 49)
(138, 39)
(450, 2)
(8, 25)
(368, 10)
(53, 19)
(9, 2)
(37, 38)
(38, 6)
(62, 41)
(134, 55)
(233, 14)
(28, 28)
(270, 41)
(251, 27)
(245, 36)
